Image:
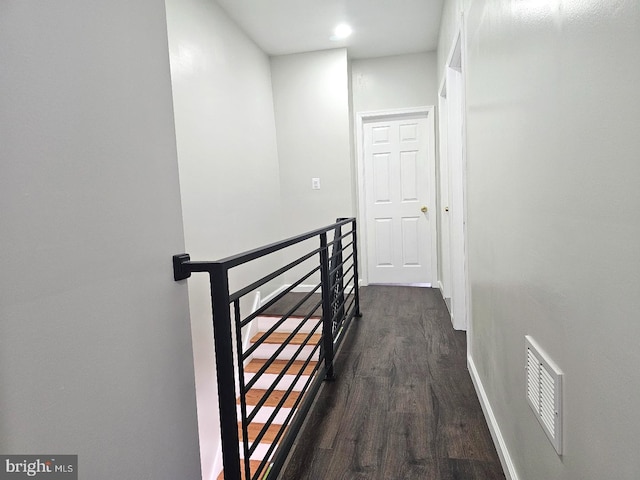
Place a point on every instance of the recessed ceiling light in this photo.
(342, 31)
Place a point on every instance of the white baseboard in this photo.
(501, 446)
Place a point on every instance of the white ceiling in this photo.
(380, 27)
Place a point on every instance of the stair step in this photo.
(269, 350)
(281, 337)
(253, 429)
(255, 464)
(266, 322)
(278, 365)
(259, 390)
(288, 380)
(270, 406)
(265, 413)
(254, 395)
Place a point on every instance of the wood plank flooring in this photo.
(403, 406)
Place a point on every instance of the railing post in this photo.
(225, 371)
(327, 327)
(337, 277)
(355, 270)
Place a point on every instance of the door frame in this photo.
(456, 60)
(394, 114)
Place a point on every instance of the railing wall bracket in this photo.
(180, 269)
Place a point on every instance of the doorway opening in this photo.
(453, 274)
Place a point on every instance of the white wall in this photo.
(95, 345)
(397, 81)
(553, 198)
(310, 93)
(228, 168)
(311, 103)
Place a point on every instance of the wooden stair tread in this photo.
(254, 465)
(292, 317)
(278, 365)
(253, 429)
(254, 395)
(281, 337)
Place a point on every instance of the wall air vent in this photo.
(544, 391)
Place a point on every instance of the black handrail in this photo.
(337, 263)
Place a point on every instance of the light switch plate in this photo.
(315, 183)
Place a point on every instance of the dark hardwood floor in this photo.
(403, 405)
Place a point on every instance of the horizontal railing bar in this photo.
(239, 259)
(343, 250)
(285, 424)
(197, 266)
(344, 325)
(301, 398)
(279, 323)
(285, 317)
(334, 304)
(269, 422)
(340, 265)
(271, 302)
(277, 409)
(341, 237)
(301, 409)
(339, 306)
(273, 386)
(268, 278)
(247, 353)
(269, 362)
(338, 251)
(343, 278)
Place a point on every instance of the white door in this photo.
(396, 178)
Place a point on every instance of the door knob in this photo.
(446, 209)
(424, 209)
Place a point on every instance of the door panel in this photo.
(381, 178)
(410, 241)
(384, 242)
(409, 176)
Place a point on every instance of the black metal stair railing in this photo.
(336, 262)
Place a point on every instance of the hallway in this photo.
(403, 405)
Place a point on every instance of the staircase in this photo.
(266, 350)
(267, 392)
